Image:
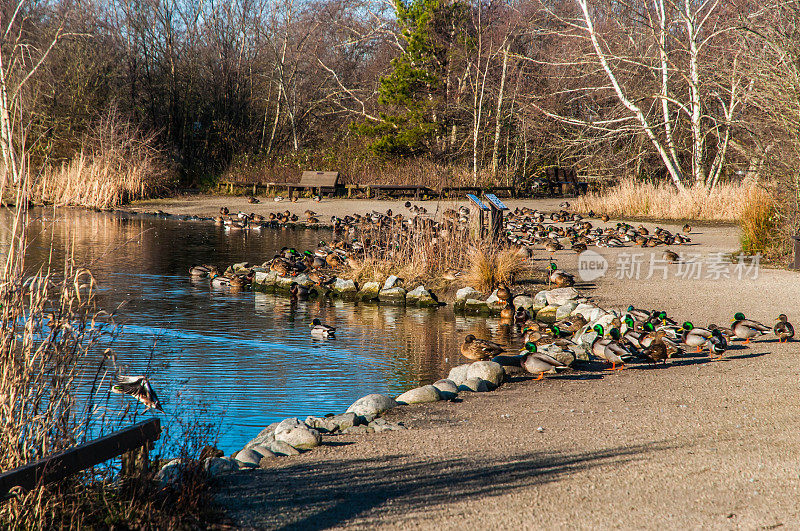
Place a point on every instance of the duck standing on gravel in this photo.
(747, 329)
(559, 278)
(322, 330)
(783, 328)
(695, 337)
(480, 349)
(538, 362)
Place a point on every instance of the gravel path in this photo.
(694, 444)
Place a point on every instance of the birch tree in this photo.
(661, 61)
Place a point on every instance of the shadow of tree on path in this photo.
(318, 495)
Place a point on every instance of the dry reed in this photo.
(117, 164)
(637, 199)
(490, 265)
(759, 224)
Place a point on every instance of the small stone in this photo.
(371, 406)
(344, 420)
(282, 448)
(475, 385)
(584, 310)
(419, 395)
(559, 296)
(447, 389)
(489, 371)
(458, 374)
(540, 429)
(265, 278)
(323, 425)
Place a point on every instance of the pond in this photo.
(248, 356)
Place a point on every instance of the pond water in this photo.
(249, 356)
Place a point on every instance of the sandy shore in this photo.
(695, 444)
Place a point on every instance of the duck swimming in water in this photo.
(322, 330)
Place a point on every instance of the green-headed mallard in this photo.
(695, 337)
(479, 349)
(559, 278)
(783, 328)
(608, 349)
(322, 330)
(746, 329)
(538, 362)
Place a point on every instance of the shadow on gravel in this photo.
(320, 495)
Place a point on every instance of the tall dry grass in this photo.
(637, 199)
(760, 225)
(55, 377)
(117, 164)
(488, 265)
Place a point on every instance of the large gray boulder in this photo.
(489, 371)
(371, 406)
(282, 448)
(296, 434)
(547, 314)
(264, 437)
(539, 300)
(343, 286)
(419, 395)
(458, 374)
(474, 385)
(467, 293)
(248, 456)
(393, 295)
(369, 291)
(265, 278)
(421, 297)
(217, 466)
(448, 389)
(476, 306)
(559, 296)
(171, 474)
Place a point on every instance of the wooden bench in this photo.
(321, 180)
(403, 189)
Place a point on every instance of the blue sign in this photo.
(495, 201)
(478, 202)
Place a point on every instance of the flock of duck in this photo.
(647, 336)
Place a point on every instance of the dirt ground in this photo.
(694, 444)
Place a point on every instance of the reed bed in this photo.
(637, 199)
(55, 376)
(117, 164)
(430, 252)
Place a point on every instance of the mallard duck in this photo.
(687, 228)
(220, 281)
(559, 278)
(657, 350)
(608, 349)
(298, 291)
(531, 332)
(637, 314)
(139, 388)
(695, 337)
(671, 256)
(746, 328)
(479, 349)
(539, 363)
(718, 343)
(508, 311)
(203, 271)
(783, 328)
(322, 330)
(572, 324)
(521, 315)
(503, 293)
